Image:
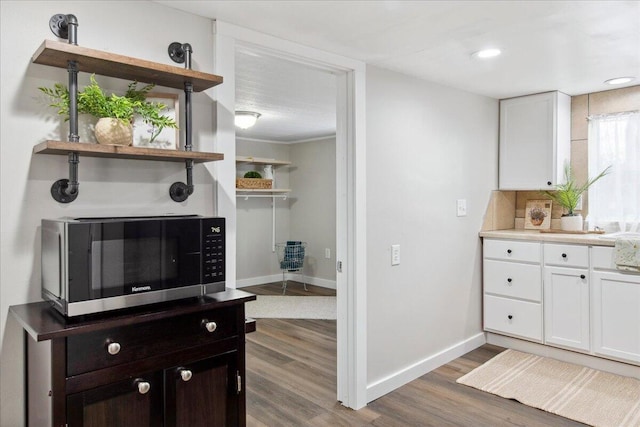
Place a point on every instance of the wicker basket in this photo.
(254, 183)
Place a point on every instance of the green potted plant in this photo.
(568, 196)
(115, 113)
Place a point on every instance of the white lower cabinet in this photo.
(566, 307)
(513, 288)
(563, 295)
(513, 317)
(616, 315)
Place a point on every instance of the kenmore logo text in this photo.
(140, 288)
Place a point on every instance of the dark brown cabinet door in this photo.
(204, 393)
(133, 402)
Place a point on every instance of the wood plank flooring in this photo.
(293, 288)
(291, 381)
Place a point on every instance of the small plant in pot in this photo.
(115, 113)
(537, 216)
(568, 196)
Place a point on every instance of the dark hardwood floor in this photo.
(291, 381)
(293, 288)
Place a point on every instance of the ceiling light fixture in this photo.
(246, 119)
(619, 80)
(486, 53)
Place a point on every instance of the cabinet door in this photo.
(204, 393)
(566, 307)
(133, 402)
(616, 315)
(534, 140)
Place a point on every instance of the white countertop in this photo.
(535, 235)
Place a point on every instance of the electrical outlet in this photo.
(461, 205)
(327, 253)
(395, 254)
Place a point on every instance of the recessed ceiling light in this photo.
(619, 80)
(487, 53)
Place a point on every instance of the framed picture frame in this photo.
(169, 138)
(538, 215)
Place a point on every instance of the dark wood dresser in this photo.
(175, 364)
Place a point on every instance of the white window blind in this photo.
(614, 201)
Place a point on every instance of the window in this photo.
(614, 202)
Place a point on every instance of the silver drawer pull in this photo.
(143, 387)
(113, 348)
(186, 375)
(210, 326)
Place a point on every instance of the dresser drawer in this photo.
(512, 279)
(513, 317)
(510, 250)
(566, 255)
(91, 351)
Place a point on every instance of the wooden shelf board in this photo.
(263, 190)
(261, 161)
(124, 152)
(56, 54)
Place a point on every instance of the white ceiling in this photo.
(571, 46)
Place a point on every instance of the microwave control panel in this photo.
(213, 250)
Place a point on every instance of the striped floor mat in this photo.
(582, 394)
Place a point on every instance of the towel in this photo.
(627, 254)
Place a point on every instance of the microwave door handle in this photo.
(60, 266)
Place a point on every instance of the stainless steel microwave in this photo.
(91, 265)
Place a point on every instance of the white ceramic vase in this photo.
(571, 223)
(112, 131)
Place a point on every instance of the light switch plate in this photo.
(395, 254)
(461, 206)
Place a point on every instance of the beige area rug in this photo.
(572, 391)
(291, 307)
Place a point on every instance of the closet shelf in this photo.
(124, 152)
(57, 54)
(261, 161)
(263, 190)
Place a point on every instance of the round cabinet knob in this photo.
(185, 374)
(210, 326)
(143, 387)
(113, 348)
(582, 276)
(548, 182)
(509, 280)
(564, 255)
(510, 317)
(508, 251)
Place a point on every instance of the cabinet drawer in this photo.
(513, 317)
(90, 351)
(566, 255)
(509, 250)
(512, 279)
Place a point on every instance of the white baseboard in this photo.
(594, 362)
(261, 280)
(400, 378)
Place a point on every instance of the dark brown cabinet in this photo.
(181, 365)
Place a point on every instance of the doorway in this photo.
(350, 188)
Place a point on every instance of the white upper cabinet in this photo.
(535, 141)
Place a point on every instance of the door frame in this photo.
(350, 186)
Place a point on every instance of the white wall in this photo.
(427, 145)
(107, 186)
(313, 208)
